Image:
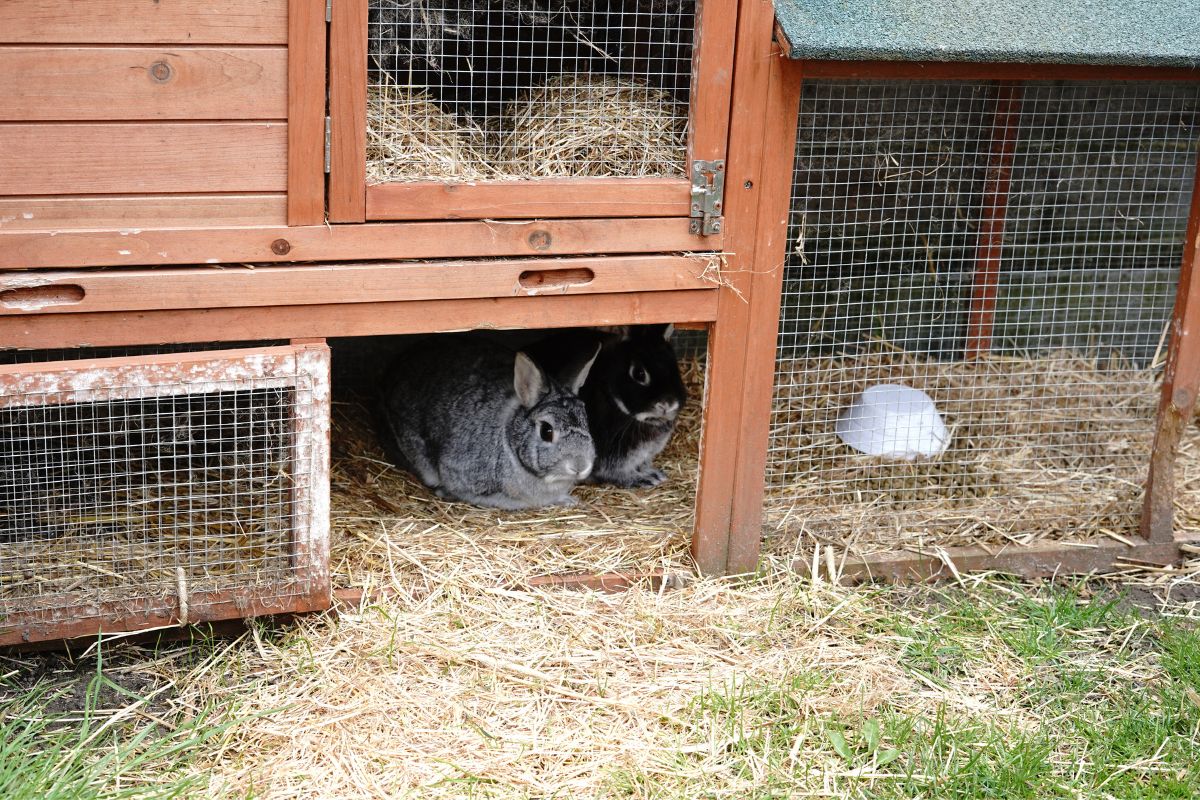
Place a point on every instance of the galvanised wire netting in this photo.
(123, 487)
(479, 89)
(1011, 251)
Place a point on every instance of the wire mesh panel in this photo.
(140, 490)
(975, 309)
(480, 89)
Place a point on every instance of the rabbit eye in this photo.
(546, 431)
(639, 375)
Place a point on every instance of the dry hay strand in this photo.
(530, 693)
(573, 126)
(410, 138)
(587, 126)
(385, 523)
(1046, 448)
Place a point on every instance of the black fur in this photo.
(630, 422)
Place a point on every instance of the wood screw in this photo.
(281, 247)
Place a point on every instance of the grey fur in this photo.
(466, 415)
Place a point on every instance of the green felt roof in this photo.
(1119, 32)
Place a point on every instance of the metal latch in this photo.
(328, 144)
(708, 192)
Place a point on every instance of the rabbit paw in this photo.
(644, 478)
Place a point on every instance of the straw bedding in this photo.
(1053, 447)
(568, 126)
(385, 523)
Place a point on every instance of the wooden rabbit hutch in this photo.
(179, 177)
(999, 212)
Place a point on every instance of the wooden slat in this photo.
(85, 291)
(306, 112)
(40, 331)
(142, 83)
(149, 211)
(990, 246)
(936, 70)
(144, 22)
(729, 342)
(763, 301)
(712, 78)
(143, 158)
(348, 111)
(1181, 384)
(1032, 561)
(482, 239)
(593, 197)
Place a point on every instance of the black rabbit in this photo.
(634, 393)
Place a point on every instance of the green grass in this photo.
(95, 753)
(1102, 704)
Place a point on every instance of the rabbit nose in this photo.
(668, 409)
(580, 469)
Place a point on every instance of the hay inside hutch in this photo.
(582, 108)
(387, 528)
(1001, 227)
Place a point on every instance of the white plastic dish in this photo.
(894, 421)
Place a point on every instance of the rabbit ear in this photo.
(574, 381)
(528, 380)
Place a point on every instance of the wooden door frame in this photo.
(351, 199)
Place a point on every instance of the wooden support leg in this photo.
(991, 225)
(742, 347)
(1180, 382)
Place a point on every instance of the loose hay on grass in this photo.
(572, 126)
(1054, 447)
(384, 522)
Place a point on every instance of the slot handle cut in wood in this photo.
(540, 280)
(35, 298)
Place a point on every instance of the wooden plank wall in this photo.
(141, 114)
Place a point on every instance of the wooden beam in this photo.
(749, 159)
(44, 331)
(130, 212)
(545, 199)
(142, 22)
(142, 157)
(955, 70)
(1181, 382)
(1031, 561)
(474, 239)
(90, 291)
(763, 303)
(348, 111)
(143, 83)
(306, 112)
(990, 247)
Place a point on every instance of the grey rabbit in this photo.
(634, 393)
(482, 423)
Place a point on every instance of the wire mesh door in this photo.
(475, 91)
(171, 488)
(976, 301)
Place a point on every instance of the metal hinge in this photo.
(329, 10)
(708, 193)
(328, 143)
